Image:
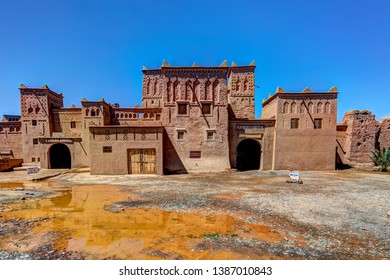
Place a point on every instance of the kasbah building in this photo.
(192, 119)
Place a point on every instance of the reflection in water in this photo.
(141, 233)
(6, 186)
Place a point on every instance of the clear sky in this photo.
(96, 49)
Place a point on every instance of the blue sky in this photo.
(96, 49)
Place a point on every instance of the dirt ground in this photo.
(244, 215)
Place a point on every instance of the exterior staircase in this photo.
(27, 165)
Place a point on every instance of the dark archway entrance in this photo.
(59, 155)
(248, 155)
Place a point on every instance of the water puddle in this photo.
(85, 225)
(8, 186)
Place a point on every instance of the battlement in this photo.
(304, 94)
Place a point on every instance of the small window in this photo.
(206, 109)
(107, 149)
(181, 135)
(39, 159)
(34, 122)
(317, 123)
(294, 123)
(158, 117)
(33, 159)
(210, 135)
(11, 129)
(35, 141)
(72, 124)
(182, 109)
(1, 129)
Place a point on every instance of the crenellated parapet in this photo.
(136, 116)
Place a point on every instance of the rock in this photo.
(19, 189)
(388, 214)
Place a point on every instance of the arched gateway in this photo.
(59, 155)
(248, 155)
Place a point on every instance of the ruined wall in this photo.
(363, 134)
(384, 133)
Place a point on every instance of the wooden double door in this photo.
(142, 161)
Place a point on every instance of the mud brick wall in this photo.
(384, 133)
(363, 135)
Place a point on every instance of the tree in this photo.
(381, 158)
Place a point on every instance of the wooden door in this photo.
(142, 161)
(148, 161)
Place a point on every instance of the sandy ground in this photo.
(246, 215)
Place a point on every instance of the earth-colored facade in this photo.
(192, 119)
